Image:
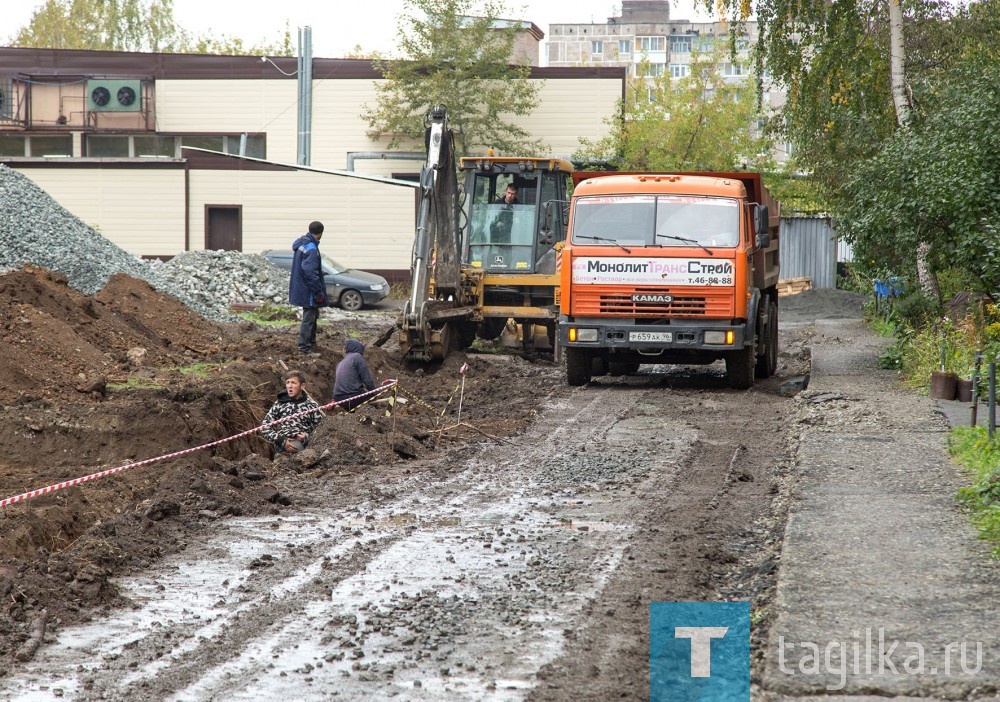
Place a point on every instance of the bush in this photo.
(915, 309)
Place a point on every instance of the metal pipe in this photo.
(300, 101)
(308, 96)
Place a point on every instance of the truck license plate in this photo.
(650, 336)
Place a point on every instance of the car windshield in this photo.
(331, 266)
(666, 220)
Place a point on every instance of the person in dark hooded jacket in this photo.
(353, 377)
(307, 286)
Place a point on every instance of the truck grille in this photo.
(714, 303)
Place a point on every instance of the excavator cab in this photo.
(518, 237)
(479, 260)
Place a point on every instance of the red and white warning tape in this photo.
(387, 385)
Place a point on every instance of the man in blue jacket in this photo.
(307, 286)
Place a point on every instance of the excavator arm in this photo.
(435, 270)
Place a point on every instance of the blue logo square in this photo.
(699, 652)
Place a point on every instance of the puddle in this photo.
(207, 623)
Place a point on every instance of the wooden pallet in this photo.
(793, 286)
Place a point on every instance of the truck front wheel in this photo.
(578, 366)
(768, 363)
(740, 366)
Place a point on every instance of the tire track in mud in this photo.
(477, 583)
(702, 534)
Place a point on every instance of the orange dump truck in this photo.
(670, 268)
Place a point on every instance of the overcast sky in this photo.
(339, 26)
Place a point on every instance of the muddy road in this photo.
(500, 569)
(513, 556)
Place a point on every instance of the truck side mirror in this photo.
(762, 227)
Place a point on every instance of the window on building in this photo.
(651, 43)
(154, 146)
(227, 144)
(679, 70)
(118, 146)
(254, 147)
(703, 45)
(210, 143)
(108, 146)
(680, 45)
(12, 146)
(6, 98)
(51, 145)
(654, 69)
(624, 46)
(733, 70)
(743, 43)
(597, 47)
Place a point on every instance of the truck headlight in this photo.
(719, 337)
(582, 334)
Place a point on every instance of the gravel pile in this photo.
(36, 230)
(211, 281)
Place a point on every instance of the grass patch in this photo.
(198, 370)
(270, 314)
(973, 448)
(484, 346)
(135, 384)
(399, 291)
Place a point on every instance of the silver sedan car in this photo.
(351, 289)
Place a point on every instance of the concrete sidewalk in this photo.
(882, 578)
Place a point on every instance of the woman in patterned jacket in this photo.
(293, 435)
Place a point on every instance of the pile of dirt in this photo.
(810, 305)
(129, 374)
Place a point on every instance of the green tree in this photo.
(699, 122)
(112, 25)
(129, 25)
(463, 62)
(856, 73)
(936, 183)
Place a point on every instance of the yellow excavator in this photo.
(480, 259)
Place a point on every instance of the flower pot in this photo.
(963, 390)
(943, 385)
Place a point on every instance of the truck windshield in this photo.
(663, 220)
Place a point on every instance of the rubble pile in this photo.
(211, 281)
(36, 230)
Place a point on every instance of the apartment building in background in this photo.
(645, 35)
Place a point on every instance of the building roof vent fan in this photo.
(105, 95)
